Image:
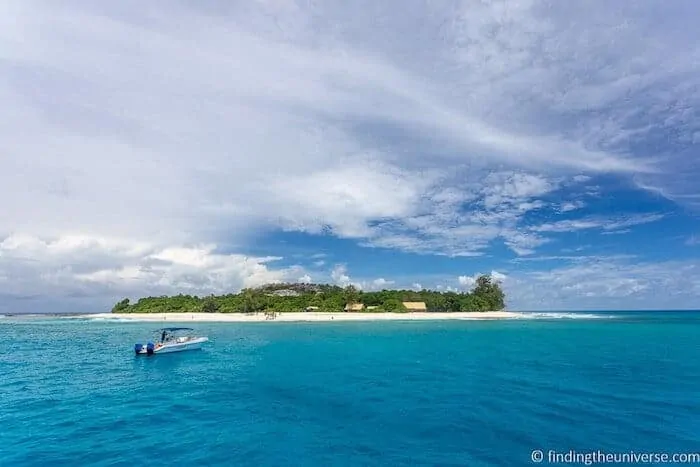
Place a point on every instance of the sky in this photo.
(198, 147)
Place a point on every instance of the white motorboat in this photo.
(171, 340)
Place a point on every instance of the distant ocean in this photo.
(446, 393)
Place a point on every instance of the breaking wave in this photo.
(115, 320)
(101, 319)
(564, 315)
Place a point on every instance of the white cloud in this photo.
(606, 224)
(617, 282)
(344, 199)
(571, 206)
(616, 232)
(468, 282)
(444, 226)
(182, 123)
(305, 279)
(446, 288)
(523, 243)
(502, 189)
(381, 283)
(103, 270)
(339, 275)
(498, 276)
(226, 69)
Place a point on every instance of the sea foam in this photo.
(563, 315)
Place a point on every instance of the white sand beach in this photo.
(305, 316)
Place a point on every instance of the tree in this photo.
(469, 302)
(210, 305)
(394, 305)
(486, 295)
(351, 294)
(121, 306)
(452, 301)
(250, 301)
(483, 282)
(490, 295)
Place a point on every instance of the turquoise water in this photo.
(322, 394)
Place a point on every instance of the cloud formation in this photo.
(154, 136)
(609, 225)
(100, 270)
(608, 283)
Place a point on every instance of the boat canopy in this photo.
(175, 329)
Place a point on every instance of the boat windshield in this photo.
(171, 334)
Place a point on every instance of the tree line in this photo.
(486, 295)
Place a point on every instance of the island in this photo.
(321, 302)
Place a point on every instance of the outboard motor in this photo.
(138, 348)
(149, 348)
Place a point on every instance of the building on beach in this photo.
(415, 306)
(354, 307)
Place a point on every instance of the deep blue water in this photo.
(327, 394)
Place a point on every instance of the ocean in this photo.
(443, 393)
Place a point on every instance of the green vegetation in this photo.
(486, 296)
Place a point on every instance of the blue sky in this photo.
(201, 147)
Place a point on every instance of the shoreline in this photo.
(303, 316)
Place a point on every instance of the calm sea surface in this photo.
(355, 394)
